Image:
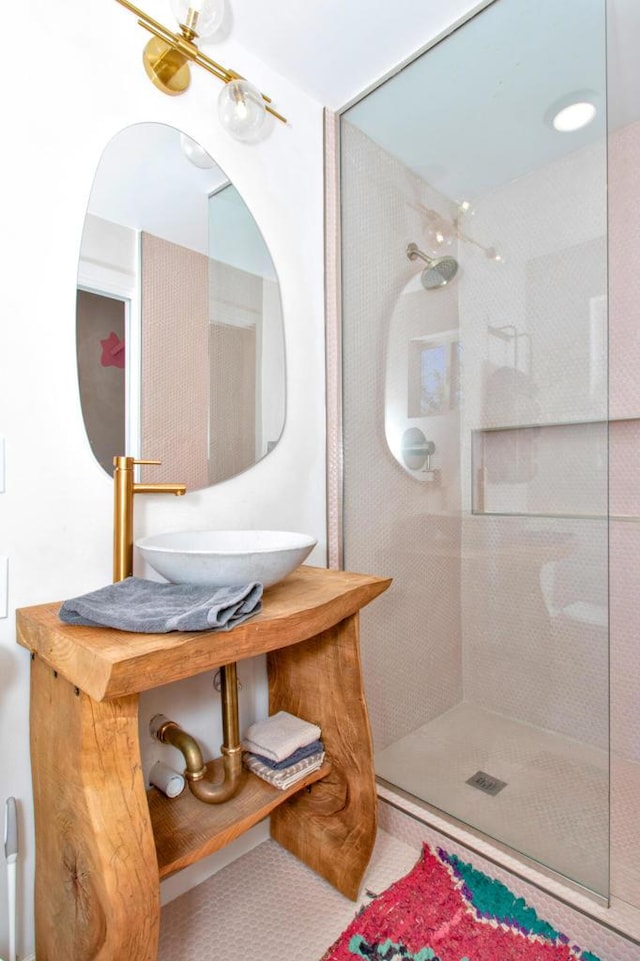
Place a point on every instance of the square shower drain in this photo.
(486, 782)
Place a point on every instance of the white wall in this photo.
(82, 82)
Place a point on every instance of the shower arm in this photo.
(413, 251)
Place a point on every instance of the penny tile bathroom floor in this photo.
(268, 906)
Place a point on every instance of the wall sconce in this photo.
(241, 107)
(440, 232)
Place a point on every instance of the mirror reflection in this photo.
(180, 341)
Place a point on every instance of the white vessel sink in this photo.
(225, 558)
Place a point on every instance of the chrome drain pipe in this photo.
(169, 732)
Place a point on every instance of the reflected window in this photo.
(434, 377)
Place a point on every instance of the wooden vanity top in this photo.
(107, 663)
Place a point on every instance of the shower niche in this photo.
(531, 471)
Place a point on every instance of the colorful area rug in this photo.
(446, 910)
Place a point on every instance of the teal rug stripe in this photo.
(445, 909)
(492, 898)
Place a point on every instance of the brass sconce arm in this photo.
(154, 26)
(167, 56)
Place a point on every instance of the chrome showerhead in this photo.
(439, 270)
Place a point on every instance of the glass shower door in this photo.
(476, 426)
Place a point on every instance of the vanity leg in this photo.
(332, 827)
(97, 889)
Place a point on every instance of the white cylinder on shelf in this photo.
(166, 779)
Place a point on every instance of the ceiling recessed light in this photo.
(573, 111)
(574, 116)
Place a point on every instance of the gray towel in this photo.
(316, 747)
(152, 607)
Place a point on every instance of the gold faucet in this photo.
(124, 487)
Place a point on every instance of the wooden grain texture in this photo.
(97, 893)
(332, 829)
(107, 663)
(97, 873)
(186, 830)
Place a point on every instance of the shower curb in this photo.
(613, 933)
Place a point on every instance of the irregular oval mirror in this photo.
(180, 336)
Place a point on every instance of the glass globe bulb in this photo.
(241, 109)
(204, 17)
(196, 153)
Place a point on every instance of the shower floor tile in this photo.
(555, 807)
(268, 905)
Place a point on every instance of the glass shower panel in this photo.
(476, 426)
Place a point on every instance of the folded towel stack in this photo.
(283, 749)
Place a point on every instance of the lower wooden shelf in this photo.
(186, 830)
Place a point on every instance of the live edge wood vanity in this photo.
(103, 841)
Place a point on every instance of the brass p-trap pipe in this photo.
(169, 732)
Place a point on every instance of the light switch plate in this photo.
(4, 586)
